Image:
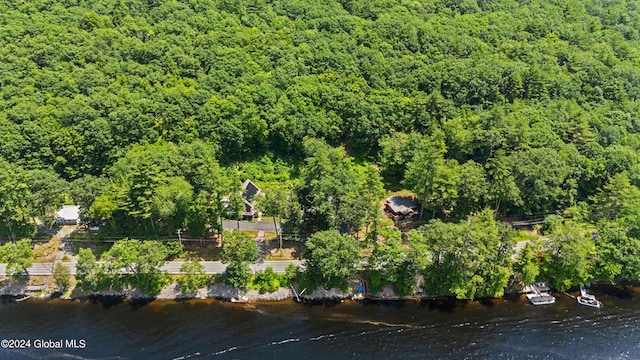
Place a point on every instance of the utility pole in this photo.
(179, 238)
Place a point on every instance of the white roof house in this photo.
(68, 214)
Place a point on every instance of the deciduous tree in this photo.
(331, 257)
(274, 203)
(142, 259)
(469, 259)
(239, 247)
(193, 277)
(62, 276)
(17, 256)
(89, 273)
(569, 255)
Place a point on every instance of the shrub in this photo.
(266, 281)
(153, 282)
(289, 275)
(237, 275)
(375, 282)
(193, 277)
(173, 249)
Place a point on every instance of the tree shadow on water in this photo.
(106, 301)
(487, 302)
(512, 298)
(139, 303)
(7, 299)
(621, 292)
(394, 304)
(442, 305)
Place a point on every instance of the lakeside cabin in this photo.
(68, 215)
(250, 190)
(400, 207)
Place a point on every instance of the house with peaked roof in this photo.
(250, 192)
(399, 207)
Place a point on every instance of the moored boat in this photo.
(542, 298)
(22, 298)
(240, 299)
(538, 297)
(588, 299)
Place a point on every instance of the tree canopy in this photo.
(17, 256)
(524, 107)
(332, 257)
(150, 114)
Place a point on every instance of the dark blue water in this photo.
(497, 329)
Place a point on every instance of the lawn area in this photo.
(97, 247)
(291, 250)
(526, 235)
(46, 252)
(195, 250)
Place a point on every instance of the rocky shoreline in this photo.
(19, 289)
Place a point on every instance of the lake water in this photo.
(497, 329)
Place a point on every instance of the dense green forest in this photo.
(147, 113)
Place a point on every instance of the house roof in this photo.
(69, 212)
(250, 189)
(401, 205)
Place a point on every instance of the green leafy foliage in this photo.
(527, 265)
(332, 191)
(17, 256)
(90, 275)
(193, 277)
(274, 204)
(332, 257)
(238, 247)
(265, 281)
(470, 259)
(159, 188)
(528, 107)
(393, 262)
(237, 275)
(618, 199)
(142, 260)
(569, 256)
(270, 281)
(16, 202)
(62, 276)
(290, 274)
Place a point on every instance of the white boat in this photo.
(541, 298)
(240, 299)
(22, 298)
(588, 299)
(537, 297)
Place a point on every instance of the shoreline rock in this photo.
(11, 288)
(19, 288)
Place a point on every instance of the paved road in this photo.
(173, 267)
(244, 225)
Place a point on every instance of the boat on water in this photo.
(240, 299)
(588, 299)
(22, 298)
(538, 294)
